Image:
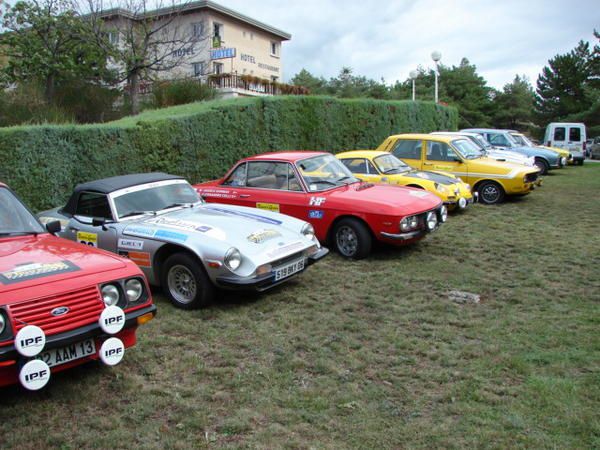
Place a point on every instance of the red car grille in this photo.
(84, 306)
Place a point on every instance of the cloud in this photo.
(389, 39)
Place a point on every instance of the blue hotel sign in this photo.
(222, 53)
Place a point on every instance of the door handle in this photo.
(244, 195)
(428, 164)
(72, 228)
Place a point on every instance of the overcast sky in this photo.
(388, 39)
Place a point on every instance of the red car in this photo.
(317, 187)
(61, 303)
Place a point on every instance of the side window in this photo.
(559, 134)
(91, 204)
(575, 134)
(272, 175)
(356, 165)
(407, 149)
(237, 177)
(439, 151)
(499, 140)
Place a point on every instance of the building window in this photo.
(217, 68)
(113, 37)
(274, 48)
(217, 34)
(198, 30)
(274, 79)
(198, 68)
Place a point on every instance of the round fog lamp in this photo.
(431, 221)
(133, 289)
(563, 160)
(110, 295)
(462, 203)
(2, 323)
(444, 212)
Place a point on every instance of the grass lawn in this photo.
(367, 354)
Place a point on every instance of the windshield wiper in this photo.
(344, 178)
(323, 181)
(137, 213)
(175, 205)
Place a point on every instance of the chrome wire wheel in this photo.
(181, 284)
(347, 241)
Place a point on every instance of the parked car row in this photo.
(75, 281)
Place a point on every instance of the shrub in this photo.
(200, 141)
(171, 93)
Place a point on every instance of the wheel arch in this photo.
(164, 252)
(483, 180)
(416, 186)
(341, 217)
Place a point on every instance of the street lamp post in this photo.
(436, 56)
(413, 76)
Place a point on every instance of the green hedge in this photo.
(200, 141)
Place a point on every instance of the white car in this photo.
(491, 151)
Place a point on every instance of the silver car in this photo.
(183, 244)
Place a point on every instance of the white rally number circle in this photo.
(34, 375)
(112, 319)
(112, 351)
(30, 340)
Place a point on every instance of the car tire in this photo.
(185, 282)
(542, 165)
(352, 239)
(490, 193)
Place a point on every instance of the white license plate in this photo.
(78, 350)
(289, 269)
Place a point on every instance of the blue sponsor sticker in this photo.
(136, 230)
(171, 235)
(256, 217)
(315, 214)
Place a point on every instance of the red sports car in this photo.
(317, 187)
(61, 303)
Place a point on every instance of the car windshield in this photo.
(520, 140)
(15, 219)
(152, 197)
(467, 148)
(480, 141)
(324, 172)
(389, 164)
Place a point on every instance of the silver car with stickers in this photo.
(183, 244)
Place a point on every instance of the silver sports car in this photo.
(182, 243)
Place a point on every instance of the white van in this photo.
(570, 136)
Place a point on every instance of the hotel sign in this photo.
(222, 53)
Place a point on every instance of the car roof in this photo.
(108, 185)
(425, 136)
(361, 154)
(289, 155)
(112, 184)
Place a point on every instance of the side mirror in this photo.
(98, 222)
(53, 227)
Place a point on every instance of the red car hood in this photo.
(382, 199)
(30, 261)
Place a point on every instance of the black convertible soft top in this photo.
(112, 184)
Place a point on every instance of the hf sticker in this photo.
(90, 239)
(316, 201)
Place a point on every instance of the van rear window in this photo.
(575, 134)
(559, 134)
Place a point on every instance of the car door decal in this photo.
(86, 238)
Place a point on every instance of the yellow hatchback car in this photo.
(491, 179)
(383, 167)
